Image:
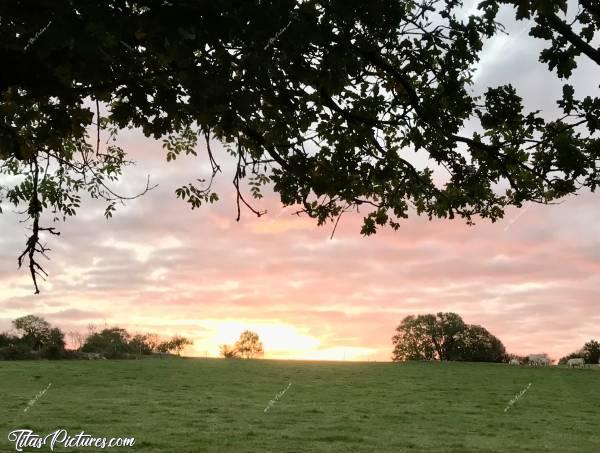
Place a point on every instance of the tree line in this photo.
(446, 337)
(440, 336)
(36, 338)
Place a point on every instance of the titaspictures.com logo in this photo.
(26, 438)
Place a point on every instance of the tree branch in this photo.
(564, 30)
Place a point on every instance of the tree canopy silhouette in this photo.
(36, 330)
(248, 346)
(445, 336)
(327, 101)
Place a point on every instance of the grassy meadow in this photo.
(212, 405)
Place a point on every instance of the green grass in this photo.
(200, 405)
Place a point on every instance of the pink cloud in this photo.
(159, 266)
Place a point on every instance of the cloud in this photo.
(533, 285)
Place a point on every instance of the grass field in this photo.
(210, 405)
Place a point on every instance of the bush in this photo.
(73, 355)
(7, 339)
(17, 352)
(53, 352)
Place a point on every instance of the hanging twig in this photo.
(239, 173)
(33, 244)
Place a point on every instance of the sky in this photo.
(532, 279)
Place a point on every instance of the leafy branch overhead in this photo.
(331, 113)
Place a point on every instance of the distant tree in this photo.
(178, 343)
(92, 329)
(54, 348)
(175, 344)
(428, 337)
(35, 331)
(446, 329)
(592, 351)
(444, 336)
(139, 345)
(249, 345)
(413, 340)
(7, 339)
(111, 342)
(17, 351)
(476, 344)
(152, 341)
(37, 339)
(164, 346)
(77, 339)
(229, 352)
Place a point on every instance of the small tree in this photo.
(164, 346)
(412, 340)
(427, 337)
(175, 344)
(249, 345)
(54, 348)
(592, 351)
(152, 341)
(35, 330)
(92, 329)
(478, 345)
(229, 352)
(138, 345)
(77, 339)
(444, 336)
(178, 343)
(6, 340)
(112, 341)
